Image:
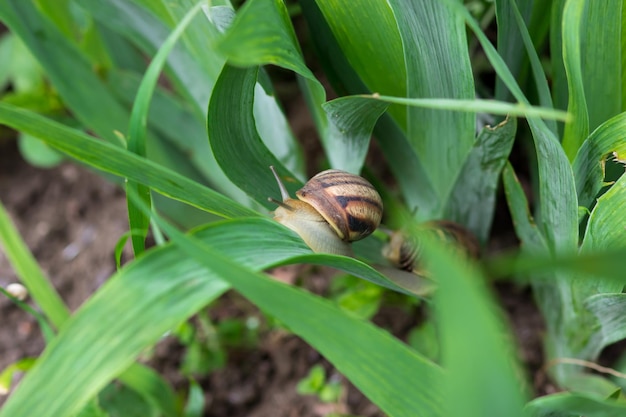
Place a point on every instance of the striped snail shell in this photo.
(404, 252)
(333, 209)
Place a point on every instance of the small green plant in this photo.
(316, 383)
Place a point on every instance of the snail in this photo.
(404, 251)
(333, 209)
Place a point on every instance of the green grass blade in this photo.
(472, 202)
(482, 376)
(441, 139)
(522, 109)
(576, 131)
(137, 129)
(118, 161)
(26, 267)
(539, 77)
(510, 41)
(607, 140)
(67, 68)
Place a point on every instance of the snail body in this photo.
(333, 209)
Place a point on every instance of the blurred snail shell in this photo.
(404, 251)
(333, 209)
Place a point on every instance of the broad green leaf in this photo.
(573, 24)
(237, 147)
(352, 120)
(118, 161)
(137, 129)
(609, 311)
(482, 376)
(441, 139)
(602, 54)
(67, 68)
(569, 405)
(605, 228)
(26, 267)
(273, 127)
(367, 33)
(472, 202)
(608, 139)
(163, 288)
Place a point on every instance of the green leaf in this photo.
(352, 120)
(120, 162)
(472, 202)
(26, 267)
(601, 55)
(246, 160)
(8, 373)
(441, 139)
(368, 35)
(37, 153)
(608, 139)
(482, 376)
(609, 311)
(572, 27)
(137, 129)
(152, 387)
(568, 405)
(525, 227)
(507, 8)
(195, 400)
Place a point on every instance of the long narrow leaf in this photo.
(40, 289)
(138, 125)
(118, 161)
